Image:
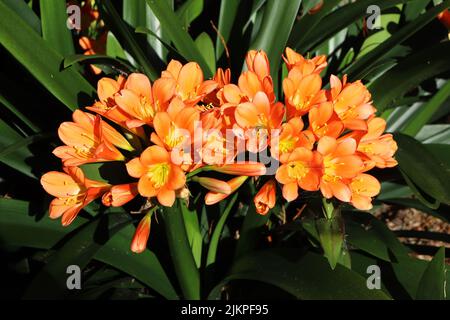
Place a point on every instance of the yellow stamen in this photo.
(297, 170)
(159, 174)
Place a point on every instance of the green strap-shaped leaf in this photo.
(144, 266)
(180, 251)
(434, 133)
(306, 276)
(189, 11)
(422, 168)
(426, 111)
(19, 228)
(42, 61)
(98, 59)
(4, 101)
(215, 237)
(113, 47)
(432, 283)
(366, 233)
(206, 47)
(127, 39)
(26, 13)
(227, 16)
(338, 20)
(308, 22)
(175, 32)
(193, 232)
(409, 73)
(138, 14)
(365, 63)
(278, 19)
(50, 282)
(54, 26)
(17, 154)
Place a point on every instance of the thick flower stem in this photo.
(180, 251)
(328, 208)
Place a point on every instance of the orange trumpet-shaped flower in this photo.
(258, 63)
(323, 121)
(142, 101)
(73, 191)
(248, 85)
(302, 92)
(190, 87)
(379, 148)
(260, 117)
(302, 169)
(221, 78)
(120, 194)
(158, 176)
(259, 113)
(363, 187)
(140, 238)
(291, 137)
(217, 149)
(89, 139)
(305, 66)
(259, 71)
(266, 197)
(249, 168)
(213, 185)
(107, 88)
(339, 164)
(174, 129)
(352, 103)
(214, 197)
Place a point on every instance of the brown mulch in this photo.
(411, 219)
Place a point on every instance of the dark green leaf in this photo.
(307, 276)
(42, 61)
(422, 168)
(26, 13)
(18, 227)
(189, 11)
(127, 39)
(360, 66)
(227, 15)
(397, 81)
(206, 48)
(182, 258)
(308, 22)
(54, 26)
(338, 20)
(426, 111)
(432, 283)
(113, 47)
(50, 283)
(181, 39)
(100, 60)
(278, 19)
(215, 237)
(193, 232)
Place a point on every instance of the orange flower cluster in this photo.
(169, 131)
